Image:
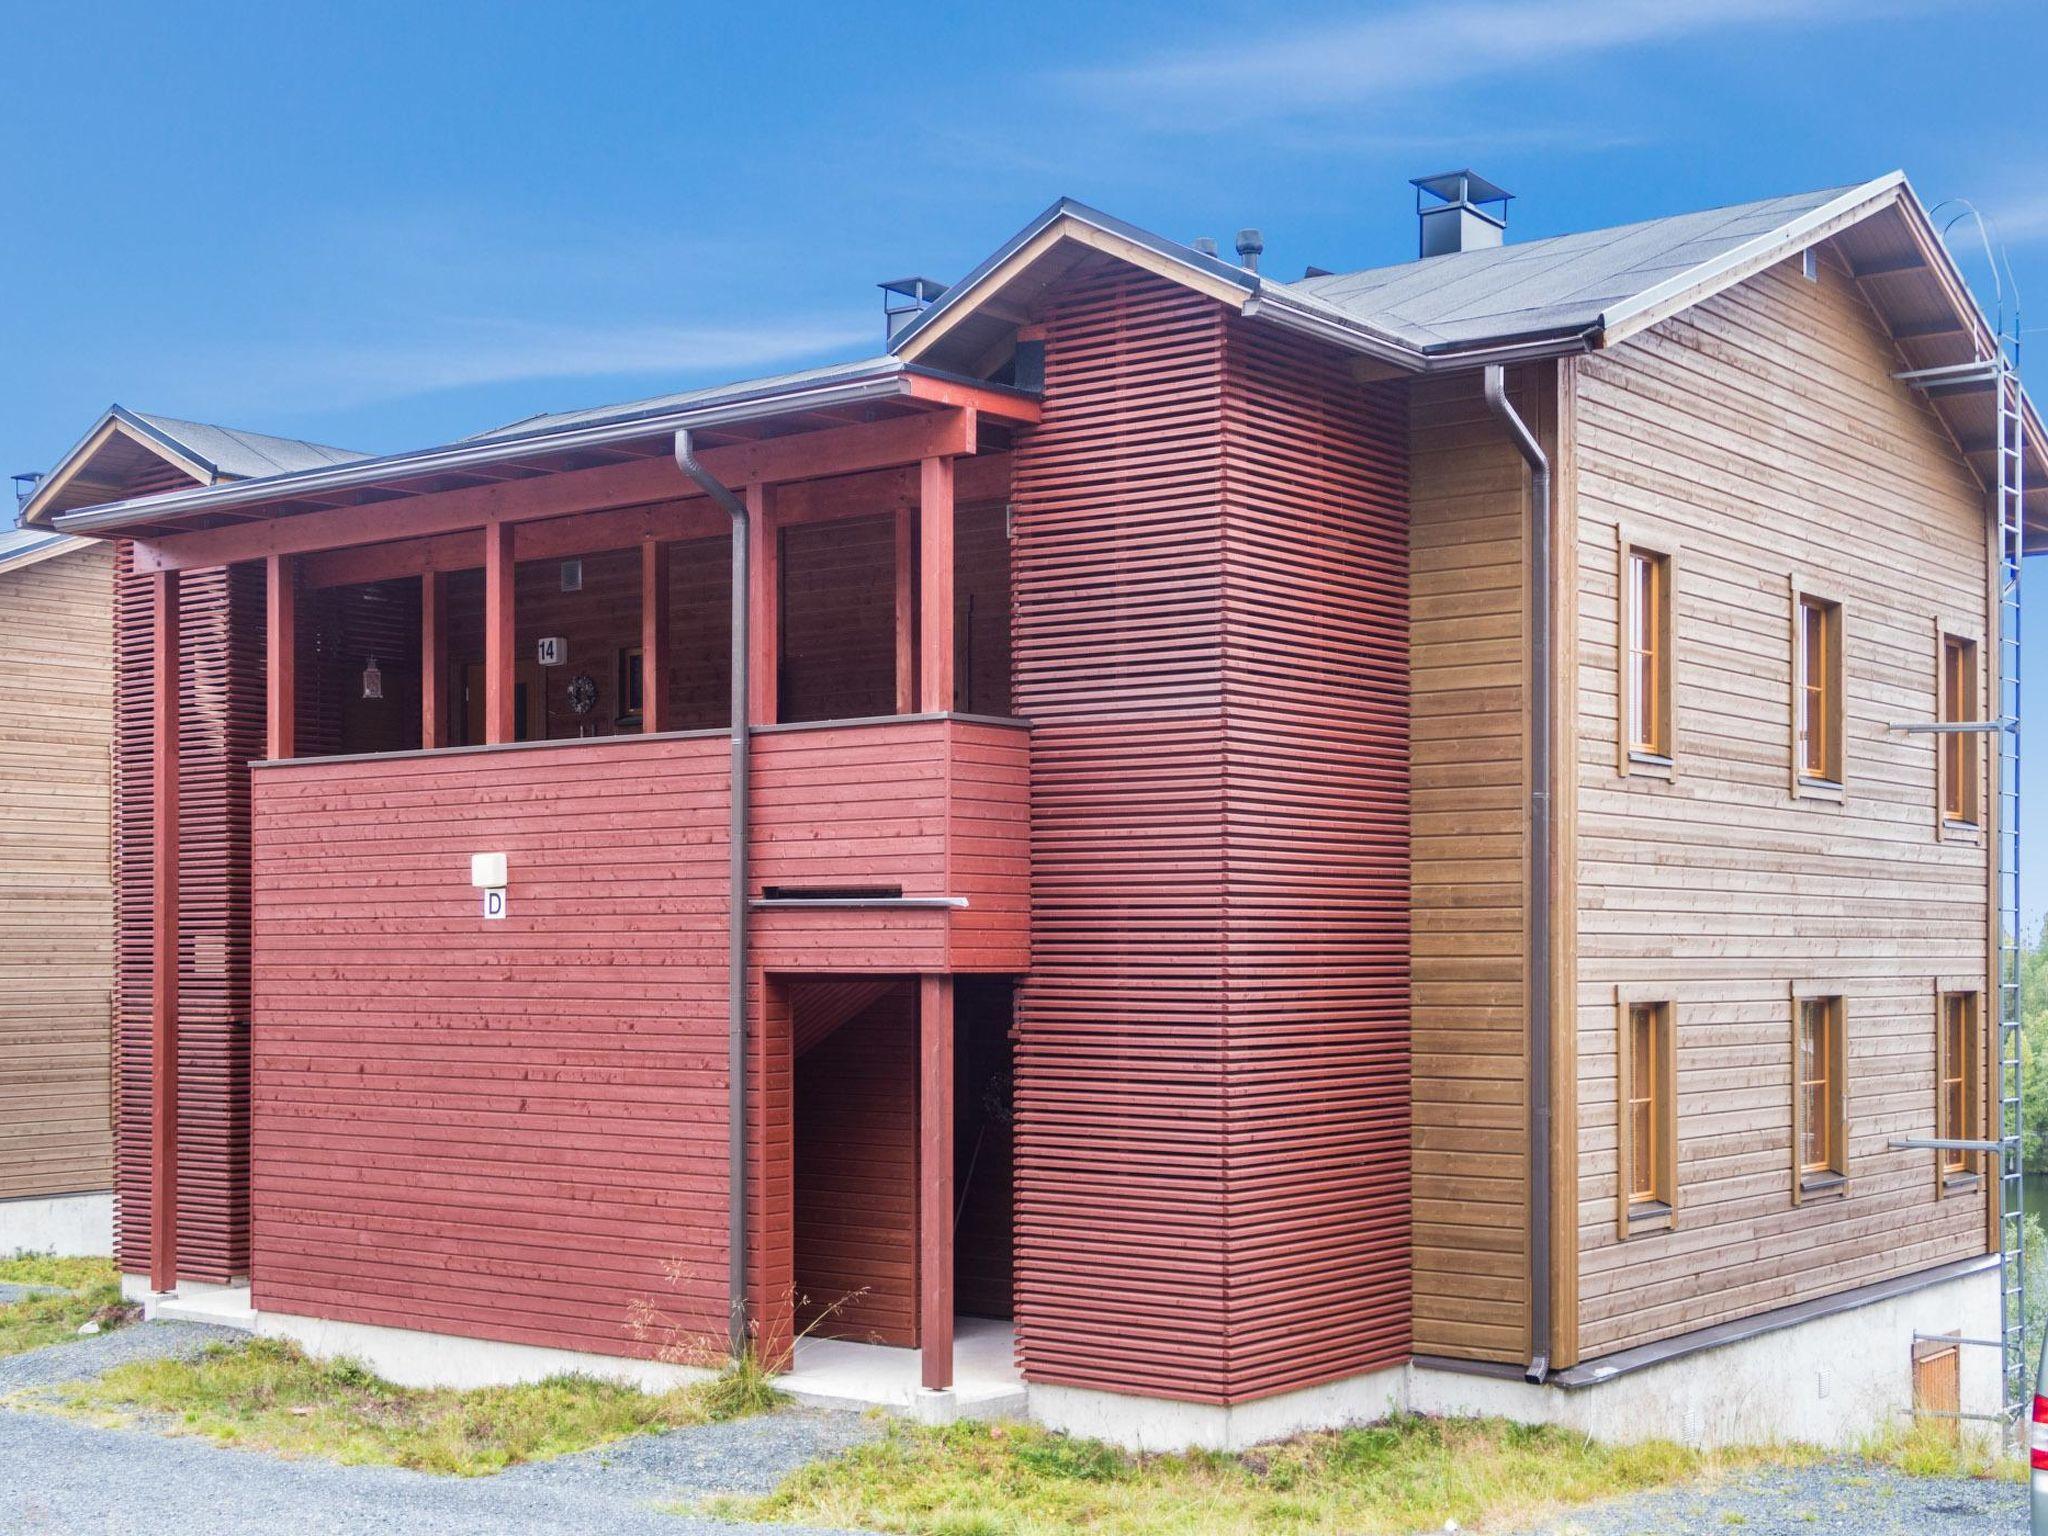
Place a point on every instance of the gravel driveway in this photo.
(1837, 1498)
(59, 1477)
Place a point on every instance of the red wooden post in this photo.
(281, 685)
(935, 585)
(653, 636)
(935, 1179)
(433, 658)
(906, 614)
(500, 674)
(163, 1030)
(765, 618)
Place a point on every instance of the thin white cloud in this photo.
(473, 353)
(1392, 53)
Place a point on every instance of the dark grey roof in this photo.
(1541, 287)
(242, 455)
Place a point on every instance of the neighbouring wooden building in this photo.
(60, 970)
(1310, 847)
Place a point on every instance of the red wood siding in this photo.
(220, 733)
(508, 1129)
(938, 807)
(1210, 626)
(855, 1149)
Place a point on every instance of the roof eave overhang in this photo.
(891, 378)
(57, 547)
(35, 511)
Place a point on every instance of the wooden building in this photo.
(60, 970)
(1139, 813)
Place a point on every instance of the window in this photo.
(1958, 1111)
(1959, 776)
(1816, 694)
(1645, 657)
(1819, 1156)
(1647, 1144)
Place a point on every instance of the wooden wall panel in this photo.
(1762, 431)
(1469, 503)
(1217, 791)
(56, 875)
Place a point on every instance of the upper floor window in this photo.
(1960, 779)
(1817, 687)
(1959, 1101)
(1647, 1144)
(1819, 1063)
(1645, 656)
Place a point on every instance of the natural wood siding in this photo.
(56, 876)
(1469, 519)
(1761, 433)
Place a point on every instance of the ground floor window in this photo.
(1648, 1110)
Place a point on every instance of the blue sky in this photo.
(385, 225)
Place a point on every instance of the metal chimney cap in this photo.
(1205, 245)
(1250, 246)
(1466, 186)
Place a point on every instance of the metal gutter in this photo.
(736, 923)
(882, 380)
(1540, 834)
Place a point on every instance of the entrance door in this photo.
(529, 715)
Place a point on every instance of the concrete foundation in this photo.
(70, 1226)
(1831, 1379)
(1162, 1424)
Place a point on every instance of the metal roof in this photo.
(27, 546)
(716, 394)
(243, 455)
(1548, 287)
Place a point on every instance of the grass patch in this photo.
(92, 1293)
(1405, 1475)
(267, 1395)
(1935, 1448)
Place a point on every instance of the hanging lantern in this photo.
(373, 681)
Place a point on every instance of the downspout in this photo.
(1540, 837)
(736, 937)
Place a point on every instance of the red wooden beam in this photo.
(906, 613)
(163, 938)
(998, 403)
(653, 636)
(500, 672)
(935, 585)
(801, 456)
(281, 678)
(433, 658)
(935, 1180)
(764, 619)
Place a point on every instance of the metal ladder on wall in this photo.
(2010, 492)
(2000, 374)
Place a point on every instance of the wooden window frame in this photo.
(1633, 758)
(1958, 749)
(1833, 1178)
(1660, 1213)
(1831, 785)
(1959, 1172)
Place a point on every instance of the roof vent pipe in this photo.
(904, 299)
(1205, 245)
(1459, 211)
(1251, 245)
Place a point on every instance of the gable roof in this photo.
(23, 547)
(1560, 286)
(1544, 298)
(129, 452)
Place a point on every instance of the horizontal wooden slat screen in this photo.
(1209, 580)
